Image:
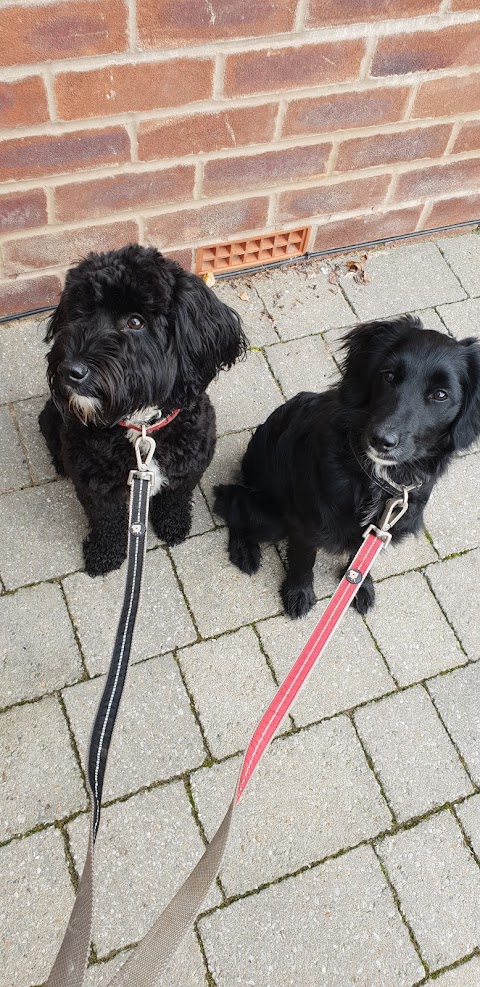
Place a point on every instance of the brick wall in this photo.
(181, 122)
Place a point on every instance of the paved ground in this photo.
(355, 856)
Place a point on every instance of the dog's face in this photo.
(134, 330)
(417, 391)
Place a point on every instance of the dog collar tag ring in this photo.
(143, 441)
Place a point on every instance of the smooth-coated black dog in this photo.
(322, 466)
(134, 338)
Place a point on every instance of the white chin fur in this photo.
(378, 461)
(84, 408)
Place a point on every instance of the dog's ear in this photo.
(57, 321)
(364, 344)
(466, 427)
(208, 334)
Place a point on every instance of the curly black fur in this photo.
(132, 331)
(318, 470)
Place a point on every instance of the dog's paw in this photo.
(101, 555)
(365, 597)
(298, 600)
(246, 555)
(171, 518)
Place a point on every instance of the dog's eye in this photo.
(389, 376)
(439, 395)
(135, 322)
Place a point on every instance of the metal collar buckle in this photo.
(142, 470)
(395, 508)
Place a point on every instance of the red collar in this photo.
(153, 428)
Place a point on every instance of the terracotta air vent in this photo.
(252, 252)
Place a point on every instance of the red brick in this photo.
(272, 70)
(88, 200)
(31, 157)
(128, 88)
(343, 111)
(334, 198)
(463, 5)
(25, 295)
(176, 136)
(166, 23)
(260, 170)
(321, 13)
(366, 152)
(456, 210)
(426, 50)
(224, 219)
(22, 210)
(438, 180)
(183, 257)
(363, 229)
(65, 247)
(469, 137)
(23, 102)
(62, 30)
(448, 97)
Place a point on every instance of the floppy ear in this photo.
(58, 320)
(363, 345)
(208, 334)
(466, 427)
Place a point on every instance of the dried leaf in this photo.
(209, 279)
(244, 296)
(354, 265)
(332, 277)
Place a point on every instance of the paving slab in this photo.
(438, 884)
(466, 975)
(41, 780)
(38, 651)
(462, 319)
(41, 533)
(186, 968)
(457, 697)
(201, 519)
(454, 582)
(412, 553)
(411, 631)
(350, 672)
(335, 925)
(26, 413)
(163, 621)
(156, 735)
(469, 815)
(431, 319)
(14, 472)
(231, 598)
(399, 283)
(452, 516)
(301, 302)
(463, 256)
(242, 295)
(245, 396)
(22, 359)
(37, 896)
(291, 816)
(406, 741)
(146, 848)
(225, 465)
(231, 686)
(302, 365)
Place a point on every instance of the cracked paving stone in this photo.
(457, 697)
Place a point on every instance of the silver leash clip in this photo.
(144, 458)
(395, 508)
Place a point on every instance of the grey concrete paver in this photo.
(202, 519)
(469, 815)
(156, 735)
(231, 686)
(398, 282)
(26, 413)
(291, 815)
(242, 295)
(336, 924)
(431, 319)
(350, 672)
(457, 697)
(407, 742)
(41, 533)
(466, 975)
(438, 884)
(463, 256)
(225, 465)
(301, 302)
(41, 780)
(413, 552)
(231, 598)
(245, 396)
(187, 968)
(145, 849)
(32, 623)
(36, 898)
(455, 584)
(411, 630)
(452, 516)
(302, 365)
(163, 620)
(462, 319)
(22, 359)
(13, 465)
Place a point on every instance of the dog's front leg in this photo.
(171, 514)
(105, 547)
(297, 591)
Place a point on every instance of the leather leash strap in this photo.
(145, 964)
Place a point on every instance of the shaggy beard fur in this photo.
(134, 331)
(322, 465)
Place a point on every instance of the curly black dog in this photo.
(322, 465)
(135, 338)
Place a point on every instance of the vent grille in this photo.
(252, 251)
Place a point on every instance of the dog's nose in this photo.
(73, 371)
(384, 439)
